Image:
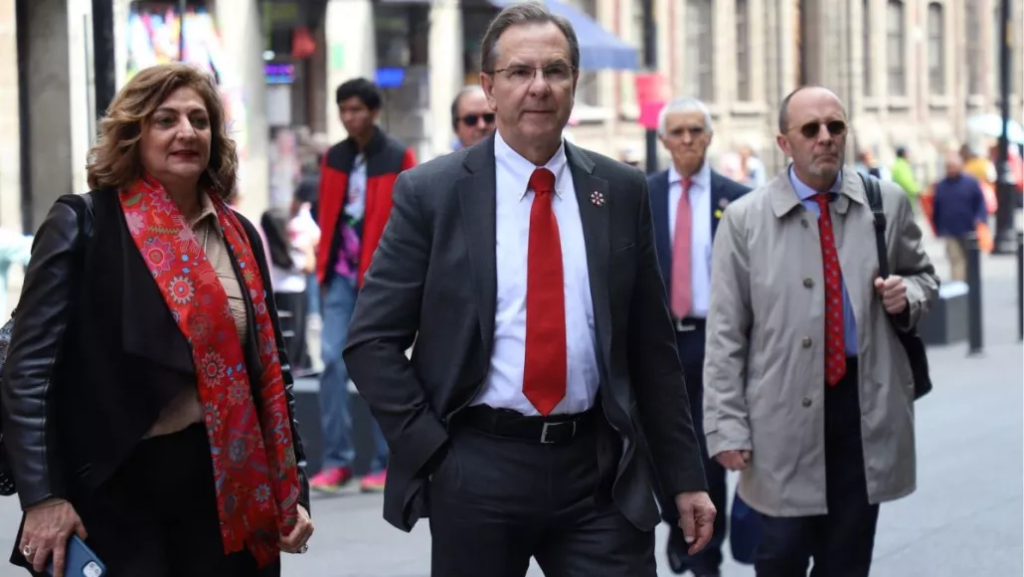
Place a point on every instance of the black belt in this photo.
(554, 429)
(688, 324)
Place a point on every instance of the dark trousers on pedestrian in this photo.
(157, 515)
(293, 325)
(498, 501)
(709, 559)
(840, 543)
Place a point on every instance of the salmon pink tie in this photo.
(835, 355)
(544, 373)
(682, 286)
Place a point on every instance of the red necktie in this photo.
(835, 354)
(682, 286)
(544, 373)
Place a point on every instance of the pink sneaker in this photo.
(330, 480)
(374, 482)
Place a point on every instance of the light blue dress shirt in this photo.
(806, 195)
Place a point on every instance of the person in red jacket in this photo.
(356, 179)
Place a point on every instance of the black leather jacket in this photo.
(64, 441)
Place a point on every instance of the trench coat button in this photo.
(806, 402)
(806, 342)
(808, 282)
(804, 223)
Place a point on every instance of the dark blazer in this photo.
(95, 355)
(433, 279)
(723, 191)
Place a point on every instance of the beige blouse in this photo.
(185, 409)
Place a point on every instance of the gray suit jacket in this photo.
(433, 280)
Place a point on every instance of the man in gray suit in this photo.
(545, 378)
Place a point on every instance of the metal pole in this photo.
(1004, 239)
(974, 326)
(651, 64)
(181, 30)
(103, 54)
(1020, 286)
(23, 21)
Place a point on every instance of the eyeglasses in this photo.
(472, 120)
(834, 128)
(555, 73)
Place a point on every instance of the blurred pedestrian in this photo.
(751, 168)
(687, 202)
(868, 165)
(808, 391)
(147, 404)
(516, 265)
(356, 179)
(958, 209)
(472, 117)
(903, 175)
(291, 238)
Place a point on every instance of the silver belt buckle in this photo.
(544, 431)
(682, 327)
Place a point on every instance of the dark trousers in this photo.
(157, 516)
(841, 542)
(496, 502)
(709, 559)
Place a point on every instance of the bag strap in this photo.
(874, 194)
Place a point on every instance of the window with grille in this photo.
(896, 48)
(869, 83)
(700, 56)
(936, 49)
(743, 91)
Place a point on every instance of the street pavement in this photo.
(964, 519)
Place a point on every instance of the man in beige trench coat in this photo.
(808, 391)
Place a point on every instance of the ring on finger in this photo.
(27, 551)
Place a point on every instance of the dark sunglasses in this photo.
(473, 119)
(834, 128)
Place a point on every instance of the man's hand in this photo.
(893, 291)
(696, 519)
(734, 460)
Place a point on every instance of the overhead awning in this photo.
(599, 48)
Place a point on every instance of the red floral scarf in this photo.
(253, 458)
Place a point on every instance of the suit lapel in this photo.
(718, 198)
(477, 203)
(596, 205)
(659, 208)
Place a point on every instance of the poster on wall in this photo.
(153, 32)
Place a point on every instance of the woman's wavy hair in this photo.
(115, 162)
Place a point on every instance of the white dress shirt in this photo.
(504, 384)
(700, 231)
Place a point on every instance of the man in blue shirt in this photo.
(958, 209)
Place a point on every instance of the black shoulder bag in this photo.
(910, 340)
(85, 221)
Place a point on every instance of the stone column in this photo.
(351, 52)
(10, 157)
(446, 71)
(239, 24)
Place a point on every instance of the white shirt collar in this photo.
(702, 179)
(521, 169)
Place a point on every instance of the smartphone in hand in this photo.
(79, 561)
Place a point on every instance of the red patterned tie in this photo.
(544, 373)
(835, 355)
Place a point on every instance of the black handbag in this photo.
(85, 220)
(910, 340)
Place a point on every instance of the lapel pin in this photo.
(597, 198)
